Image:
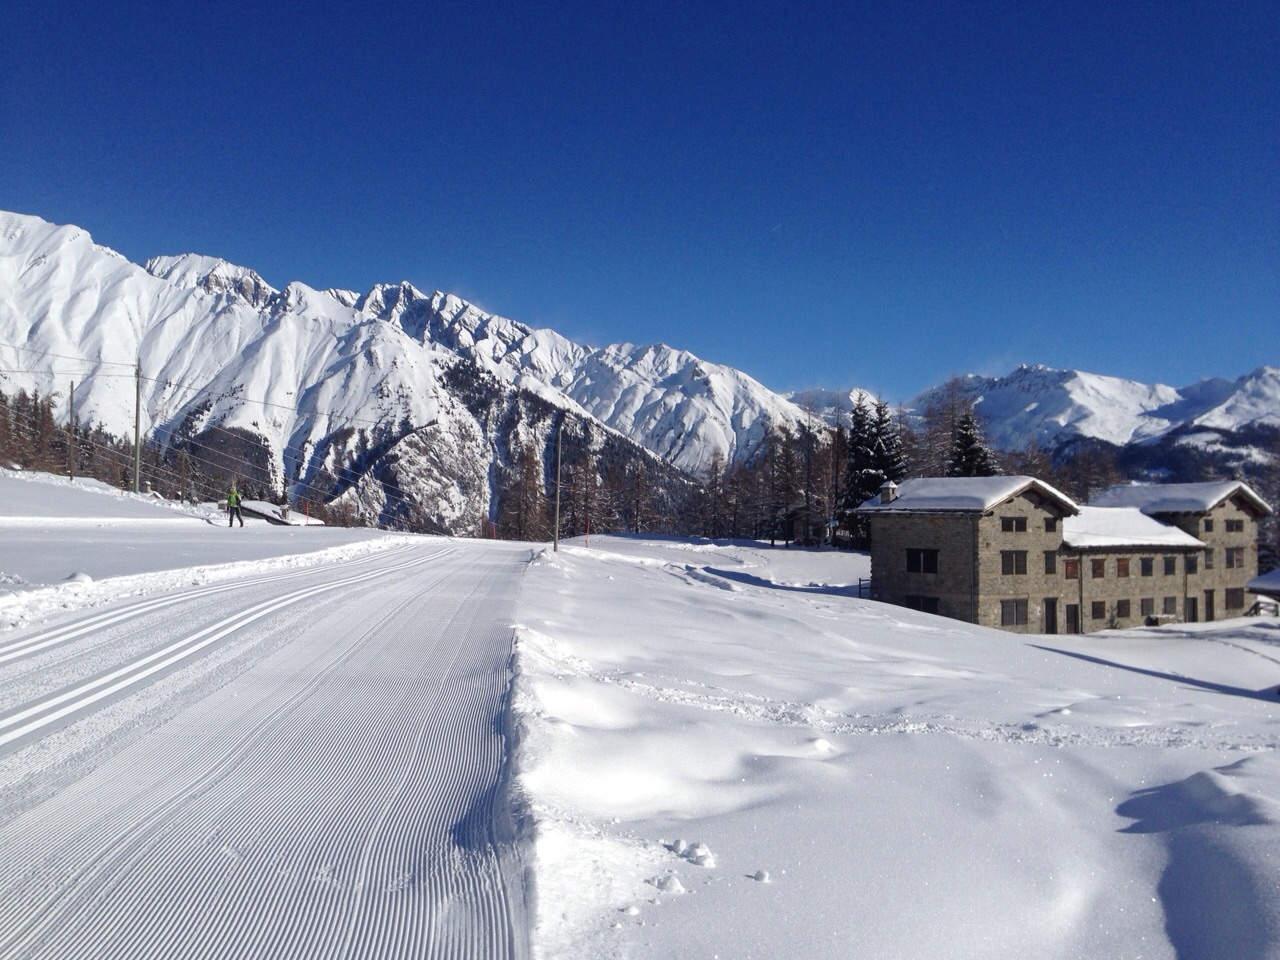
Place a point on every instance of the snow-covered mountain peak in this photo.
(212, 275)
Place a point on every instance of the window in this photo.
(1170, 606)
(1050, 524)
(1170, 566)
(1208, 526)
(1148, 606)
(923, 604)
(1013, 562)
(1013, 613)
(1235, 526)
(922, 561)
(1071, 568)
(1235, 598)
(1193, 563)
(1122, 609)
(1122, 566)
(1051, 561)
(1098, 610)
(1099, 569)
(1147, 566)
(1208, 558)
(1235, 557)
(1013, 524)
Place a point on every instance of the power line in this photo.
(59, 356)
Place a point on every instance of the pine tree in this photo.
(969, 455)
(858, 461)
(888, 458)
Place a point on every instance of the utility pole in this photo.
(137, 426)
(555, 543)
(71, 435)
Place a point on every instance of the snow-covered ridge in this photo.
(221, 347)
(252, 352)
(1053, 406)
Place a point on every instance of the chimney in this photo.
(888, 492)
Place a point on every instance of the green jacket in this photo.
(233, 500)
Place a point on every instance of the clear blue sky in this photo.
(821, 194)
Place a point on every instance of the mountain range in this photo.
(396, 393)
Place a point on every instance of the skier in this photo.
(233, 508)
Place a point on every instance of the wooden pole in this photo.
(71, 435)
(137, 427)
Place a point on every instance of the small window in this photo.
(1193, 563)
(1148, 606)
(1013, 562)
(923, 604)
(1235, 598)
(1122, 609)
(1051, 561)
(1071, 568)
(1050, 524)
(1147, 565)
(1098, 610)
(922, 561)
(1235, 526)
(1170, 606)
(1208, 526)
(1170, 566)
(1122, 566)
(1099, 569)
(1235, 557)
(1013, 613)
(1013, 524)
(1208, 559)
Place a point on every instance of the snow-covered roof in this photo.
(1153, 498)
(1267, 583)
(1121, 527)
(965, 494)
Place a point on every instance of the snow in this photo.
(1153, 498)
(1054, 406)
(217, 344)
(1268, 583)
(717, 749)
(910, 786)
(72, 544)
(1121, 527)
(963, 493)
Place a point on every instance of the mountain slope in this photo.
(1054, 407)
(324, 383)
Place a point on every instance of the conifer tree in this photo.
(969, 455)
(859, 461)
(888, 458)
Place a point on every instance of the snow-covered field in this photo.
(715, 750)
(727, 755)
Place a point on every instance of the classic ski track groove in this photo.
(357, 802)
(73, 699)
(38, 642)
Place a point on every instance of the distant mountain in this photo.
(335, 387)
(1058, 407)
(398, 400)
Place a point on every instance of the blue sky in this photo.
(821, 194)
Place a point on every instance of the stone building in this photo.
(1016, 553)
(1223, 515)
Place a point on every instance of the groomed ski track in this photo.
(309, 765)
